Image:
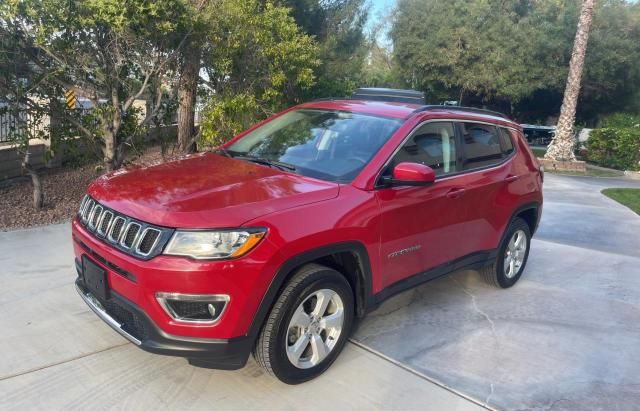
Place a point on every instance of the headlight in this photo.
(214, 244)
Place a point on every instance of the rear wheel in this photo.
(308, 325)
(512, 257)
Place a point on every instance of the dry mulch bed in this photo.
(63, 190)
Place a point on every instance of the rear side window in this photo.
(482, 145)
(505, 141)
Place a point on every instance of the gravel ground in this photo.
(63, 190)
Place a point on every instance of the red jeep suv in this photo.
(275, 242)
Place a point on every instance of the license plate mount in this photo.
(95, 279)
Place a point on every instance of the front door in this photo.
(423, 226)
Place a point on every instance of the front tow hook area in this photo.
(97, 307)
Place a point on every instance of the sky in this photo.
(380, 5)
(378, 9)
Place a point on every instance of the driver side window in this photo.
(433, 145)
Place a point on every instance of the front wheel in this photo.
(308, 325)
(512, 257)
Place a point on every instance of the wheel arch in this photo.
(349, 258)
(530, 213)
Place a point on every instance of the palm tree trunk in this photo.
(561, 147)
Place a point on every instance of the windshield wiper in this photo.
(265, 161)
(223, 151)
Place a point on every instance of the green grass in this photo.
(539, 151)
(597, 172)
(629, 197)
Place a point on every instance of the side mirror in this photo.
(411, 174)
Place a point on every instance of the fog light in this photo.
(198, 308)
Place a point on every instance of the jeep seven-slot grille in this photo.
(129, 235)
(148, 241)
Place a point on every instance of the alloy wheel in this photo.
(515, 253)
(315, 328)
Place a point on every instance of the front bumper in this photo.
(243, 280)
(134, 325)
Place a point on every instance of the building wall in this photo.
(11, 161)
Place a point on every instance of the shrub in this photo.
(615, 147)
(225, 117)
(620, 120)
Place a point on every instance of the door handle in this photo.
(455, 192)
(511, 178)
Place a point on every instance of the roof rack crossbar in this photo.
(460, 108)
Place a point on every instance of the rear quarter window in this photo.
(506, 143)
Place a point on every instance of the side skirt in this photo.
(470, 262)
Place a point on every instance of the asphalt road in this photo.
(565, 337)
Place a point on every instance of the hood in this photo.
(206, 191)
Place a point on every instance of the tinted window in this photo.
(330, 145)
(433, 144)
(505, 141)
(481, 145)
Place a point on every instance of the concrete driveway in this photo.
(56, 354)
(567, 336)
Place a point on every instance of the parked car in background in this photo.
(538, 135)
(277, 241)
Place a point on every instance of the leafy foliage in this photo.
(109, 51)
(258, 63)
(338, 27)
(379, 69)
(505, 52)
(615, 147)
(620, 120)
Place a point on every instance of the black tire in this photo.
(494, 274)
(270, 351)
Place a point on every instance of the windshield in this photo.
(329, 145)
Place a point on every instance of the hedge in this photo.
(615, 147)
(620, 120)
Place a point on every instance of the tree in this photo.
(338, 28)
(611, 74)
(257, 61)
(379, 69)
(189, 72)
(108, 51)
(459, 49)
(24, 103)
(513, 55)
(561, 147)
(187, 91)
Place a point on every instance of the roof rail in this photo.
(460, 108)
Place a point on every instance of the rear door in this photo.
(489, 178)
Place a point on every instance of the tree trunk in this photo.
(38, 194)
(109, 149)
(187, 89)
(113, 153)
(561, 147)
